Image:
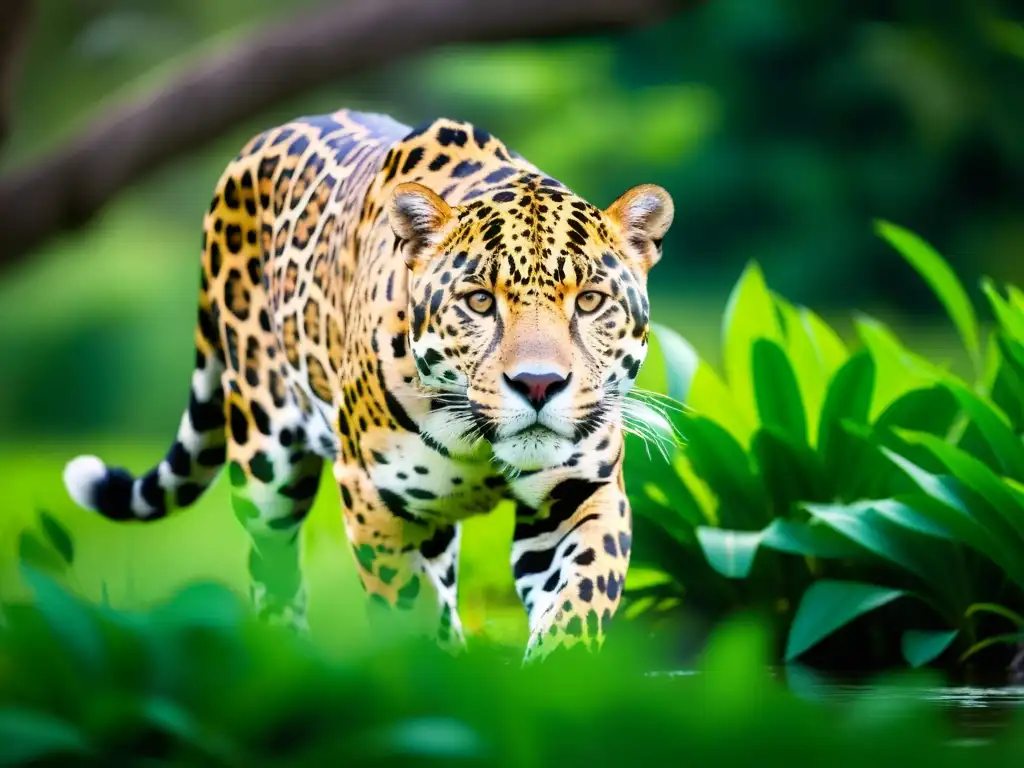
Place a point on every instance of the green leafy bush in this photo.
(196, 681)
(821, 483)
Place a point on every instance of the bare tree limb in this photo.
(17, 18)
(144, 131)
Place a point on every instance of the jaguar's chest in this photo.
(416, 481)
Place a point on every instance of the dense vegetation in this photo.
(195, 682)
(857, 499)
(820, 483)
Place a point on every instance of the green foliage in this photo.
(196, 681)
(851, 478)
(50, 550)
(829, 605)
(943, 282)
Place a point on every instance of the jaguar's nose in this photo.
(537, 388)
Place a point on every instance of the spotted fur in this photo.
(445, 324)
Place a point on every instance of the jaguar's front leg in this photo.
(404, 564)
(569, 560)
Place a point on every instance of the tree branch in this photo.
(17, 16)
(144, 131)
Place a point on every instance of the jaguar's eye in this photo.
(480, 302)
(589, 302)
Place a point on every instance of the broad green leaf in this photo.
(920, 646)
(1010, 318)
(1010, 368)
(750, 314)
(863, 524)
(32, 552)
(653, 547)
(700, 490)
(979, 527)
(849, 394)
(790, 472)
(968, 438)
(855, 469)
(1013, 350)
(672, 523)
(993, 359)
(943, 281)
(994, 427)
(70, 620)
(923, 515)
(776, 391)
(828, 606)
(815, 352)
(681, 361)
(685, 563)
(677, 527)
(695, 383)
(831, 350)
(723, 465)
(935, 486)
(916, 541)
(799, 346)
(644, 467)
(28, 737)
(731, 553)
(931, 409)
(1016, 298)
(1008, 526)
(808, 540)
(1017, 489)
(1005, 382)
(58, 536)
(848, 398)
(897, 369)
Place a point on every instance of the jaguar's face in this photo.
(528, 312)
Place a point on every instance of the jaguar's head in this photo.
(528, 312)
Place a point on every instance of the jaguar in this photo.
(444, 324)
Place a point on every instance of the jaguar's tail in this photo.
(185, 472)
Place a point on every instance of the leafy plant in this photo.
(196, 681)
(821, 483)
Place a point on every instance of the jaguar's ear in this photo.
(644, 213)
(419, 217)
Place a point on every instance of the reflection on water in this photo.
(976, 712)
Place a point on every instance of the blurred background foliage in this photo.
(782, 128)
(81, 686)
